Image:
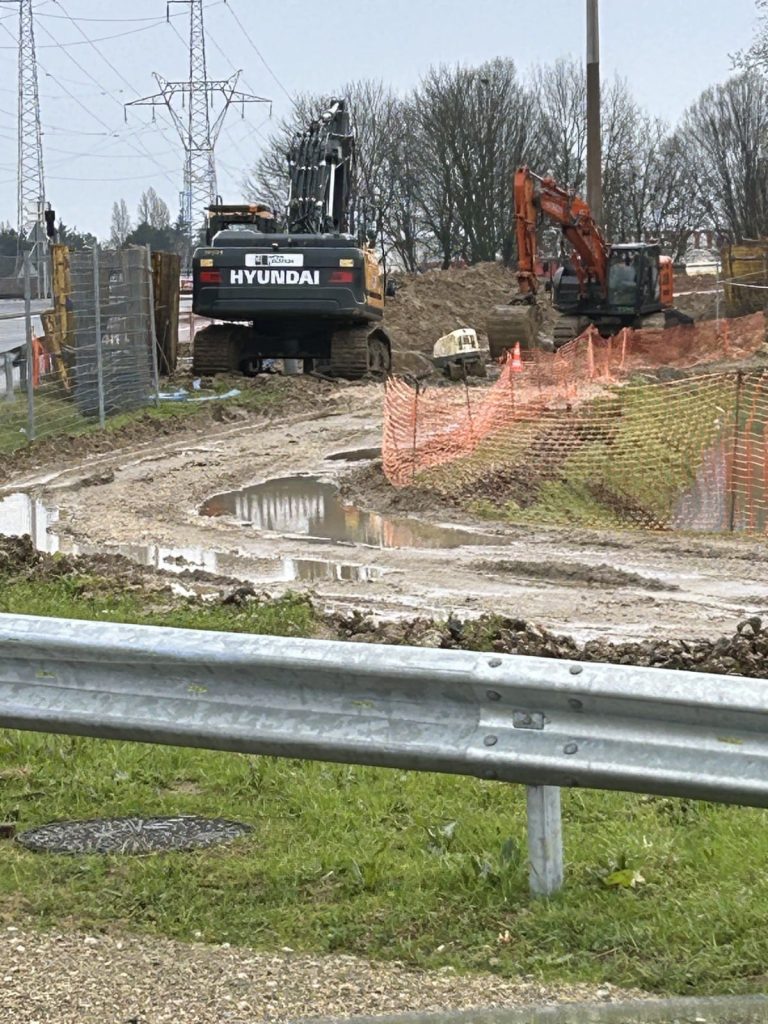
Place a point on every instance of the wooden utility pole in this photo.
(594, 129)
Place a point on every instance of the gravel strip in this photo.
(71, 978)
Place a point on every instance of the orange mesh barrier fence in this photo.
(655, 428)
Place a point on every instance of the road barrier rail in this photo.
(543, 723)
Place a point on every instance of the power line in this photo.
(108, 62)
(257, 51)
(88, 75)
(104, 39)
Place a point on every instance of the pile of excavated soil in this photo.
(744, 653)
(432, 304)
(697, 296)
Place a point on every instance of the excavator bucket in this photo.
(506, 326)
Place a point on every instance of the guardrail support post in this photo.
(545, 840)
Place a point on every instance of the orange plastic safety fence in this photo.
(651, 428)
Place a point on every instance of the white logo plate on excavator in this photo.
(274, 259)
(275, 277)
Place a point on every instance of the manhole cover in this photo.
(131, 835)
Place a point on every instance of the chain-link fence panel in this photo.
(87, 353)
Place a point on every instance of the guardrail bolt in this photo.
(576, 704)
(571, 748)
(495, 663)
(492, 695)
(576, 670)
(491, 741)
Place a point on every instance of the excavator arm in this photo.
(321, 164)
(534, 196)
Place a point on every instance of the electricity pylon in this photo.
(30, 218)
(198, 129)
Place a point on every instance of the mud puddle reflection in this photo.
(311, 507)
(21, 514)
(358, 455)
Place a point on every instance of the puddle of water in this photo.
(311, 507)
(310, 570)
(21, 514)
(358, 455)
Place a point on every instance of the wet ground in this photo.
(285, 518)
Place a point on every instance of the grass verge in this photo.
(663, 895)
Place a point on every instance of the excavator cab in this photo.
(634, 279)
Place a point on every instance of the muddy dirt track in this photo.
(144, 501)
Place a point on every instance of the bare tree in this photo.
(561, 90)
(121, 224)
(756, 56)
(474, 126)
(153, 210)
(726, 135)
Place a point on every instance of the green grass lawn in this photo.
(387, 864)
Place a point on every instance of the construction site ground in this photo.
(142, 499)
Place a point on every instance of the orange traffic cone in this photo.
(517, 362)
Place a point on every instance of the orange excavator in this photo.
(610, 286)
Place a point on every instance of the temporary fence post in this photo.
(545, 840)
(152, 326)
(30, 349)
(9, 395)
(97, 329)
(739, 387)
(469, 405)
(415, 429)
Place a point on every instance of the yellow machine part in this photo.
(374, 280)
(745, 264)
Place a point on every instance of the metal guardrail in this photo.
(542, 723)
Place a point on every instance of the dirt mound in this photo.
(432, 304)
(745, 653)
(575, 573)
(88, 574)
(697, 296)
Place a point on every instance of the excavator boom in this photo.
(535, 195)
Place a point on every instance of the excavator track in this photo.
(217, 349)
(567, 329)
(358, 352)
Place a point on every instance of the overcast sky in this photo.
(668, 50)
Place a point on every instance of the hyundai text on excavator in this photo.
(311, 288)
(610, 286)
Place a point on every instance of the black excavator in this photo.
(305, 287)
